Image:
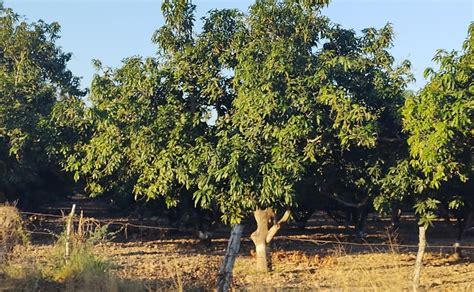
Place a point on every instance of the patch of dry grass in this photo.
(83, 270)
(374, 271)
(11, 230)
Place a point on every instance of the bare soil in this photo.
(322, 257)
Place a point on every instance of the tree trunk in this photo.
(463, 225)
(224, 278)
(395, 217)
(263, 235)
(361, 222)
(259, 239)
(419, 257)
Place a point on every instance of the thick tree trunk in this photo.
(263, 235)
(419, 257)
(259, 237)
(224, 278)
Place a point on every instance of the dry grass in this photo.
(393, 272)
(374, 271)
(154, 269)
(21, 277)
(83, 270)
(179, 264)
(11, 230)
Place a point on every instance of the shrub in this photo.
(11, 230)
(81, 264)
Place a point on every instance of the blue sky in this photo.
(110, 30)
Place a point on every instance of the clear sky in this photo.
(110, 30)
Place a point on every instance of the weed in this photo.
(392, 238)
(81, 263)
(82, 270)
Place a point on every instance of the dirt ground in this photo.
(169, 264)
(323, 257)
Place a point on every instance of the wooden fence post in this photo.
(224, 278)
(68, 230)
(419, 257)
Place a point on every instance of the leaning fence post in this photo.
(68, 230)
(224, 278)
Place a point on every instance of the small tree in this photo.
(439, 123)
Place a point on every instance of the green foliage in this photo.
(426, 209)
(303, 92)
(355, 172)
(293, 96)
(33, 77)
(439, 119)
(142, 128)
(439, 123)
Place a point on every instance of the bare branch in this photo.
(348, 204)
(315, 140)
(391, 140)
(274, 229)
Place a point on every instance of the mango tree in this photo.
(438, 121)
(274, 82)
(33, 79)
(301, 90)
(350, 178)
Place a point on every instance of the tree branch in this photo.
(317, 139)
(354, 205)
(274, 229)
(391, 140)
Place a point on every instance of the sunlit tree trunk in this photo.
(259, 239)
(419, 257)
(263, 235)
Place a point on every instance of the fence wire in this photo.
(394, 245)
(125, 225)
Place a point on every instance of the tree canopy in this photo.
(292, 95)
(33, 78)
(438, 121)
(304, 90)
(257, 112)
